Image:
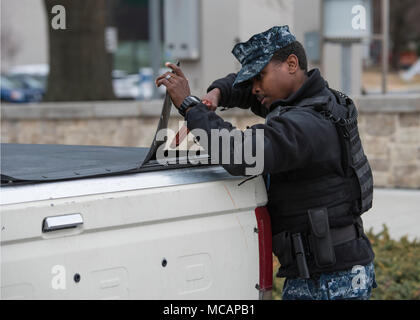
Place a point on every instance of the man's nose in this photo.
(255, 87)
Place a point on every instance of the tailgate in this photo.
(179, 237)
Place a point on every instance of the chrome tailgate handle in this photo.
(62, 222)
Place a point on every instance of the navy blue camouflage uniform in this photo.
(298, 142)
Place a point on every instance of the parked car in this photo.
(38, 72)
(29, 81)
(13, 90)
(126, 86)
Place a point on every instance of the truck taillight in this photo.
(266, 258)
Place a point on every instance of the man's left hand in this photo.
(176, 83)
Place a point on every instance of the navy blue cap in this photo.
(255, 54)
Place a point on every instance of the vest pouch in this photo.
(320, 238)
(282, 248)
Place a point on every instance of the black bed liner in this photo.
(32, 163)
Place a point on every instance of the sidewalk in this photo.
(399, 209)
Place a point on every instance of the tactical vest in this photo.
(322, 206)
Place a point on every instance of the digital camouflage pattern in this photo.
(255, 54)
(353, 284)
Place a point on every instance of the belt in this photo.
(338, 236)
(282, 244)
(292, 248)
(344, 234)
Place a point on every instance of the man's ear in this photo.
(293, 63)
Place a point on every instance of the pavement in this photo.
(398, 209)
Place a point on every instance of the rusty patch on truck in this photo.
(230, 196)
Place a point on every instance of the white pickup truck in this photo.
(83, 222)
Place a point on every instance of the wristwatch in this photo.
(188, 102)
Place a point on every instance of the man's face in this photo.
(274, 82)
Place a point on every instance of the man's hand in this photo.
(176, 83)
(212, 98)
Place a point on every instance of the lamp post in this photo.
(154, 38)
(385, 44)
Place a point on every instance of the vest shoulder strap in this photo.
(343, 113)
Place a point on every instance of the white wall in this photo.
(219, 28)
(256, 16)
(331, 65)
(307, 18)
(24, 25)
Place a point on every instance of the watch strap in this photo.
(188, 102)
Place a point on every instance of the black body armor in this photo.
(315, 212)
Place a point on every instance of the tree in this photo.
(80, 66)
